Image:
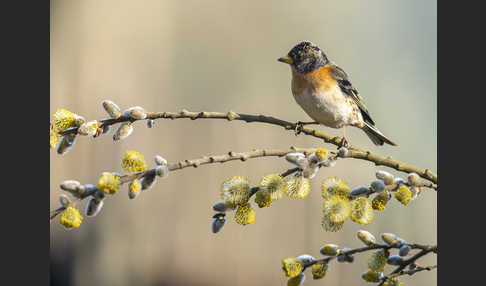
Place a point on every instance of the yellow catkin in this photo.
(108, 183)
(133, 161)
(245, 215)
(362, 211)
(236, 191)
(319, 270)
(292, 266)
(403, 195)
(71, 218)
(334, 185)
(63, 119)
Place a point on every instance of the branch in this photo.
(375, 246)
(426, 250)
(230, 156)
(412, 271)
(354, 152)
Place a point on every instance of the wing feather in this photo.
(347, 87)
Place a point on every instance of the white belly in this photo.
(327, 107)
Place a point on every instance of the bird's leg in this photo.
(344, 142)
(300, 124)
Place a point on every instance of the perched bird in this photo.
(326, 94)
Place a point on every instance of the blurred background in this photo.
(216, 56)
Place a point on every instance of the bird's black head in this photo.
(305, 57)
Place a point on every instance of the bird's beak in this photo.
(286, 60)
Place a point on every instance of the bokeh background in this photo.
(216, 56)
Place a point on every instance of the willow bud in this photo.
(148, 181)
(329, 249)
(366, 237)
(306, 259)
(395, 260)
(93, 206)
(123, 131)
(67, 143)
(361, 190)
(386, 177)
(64, 200)
(88, 128)
(218, 222)
(413, 179)
(135, 112)
(112, 109)
(404, 250)
(377, 186)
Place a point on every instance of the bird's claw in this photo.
(298, 127)
(344, 142)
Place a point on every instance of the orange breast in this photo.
(320, 79)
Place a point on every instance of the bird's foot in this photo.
(344, 143)
(300, 125)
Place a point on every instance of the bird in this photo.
(324, 91)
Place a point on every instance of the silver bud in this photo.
(93, 206)
(404, 250)
(361, 190)
(413, 179)
(88, 128)
(135, 112)
(394, 260)
(64, 200)
(67, 143)
(389, 238)
(306, 259)
(377, 186)
(123, 131)
(70, 185)
(297, 159)
(162, 171)
(218, 222)
(73, 187)
(160, 161)
(366, 237)
(329, 249)
(112, 109)
(148, 181)
(386, 177)
(221, 206)
(343, 151)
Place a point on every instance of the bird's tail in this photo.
(376, 136)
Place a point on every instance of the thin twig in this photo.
(412, 271)
(354, 152)
(426, 250)
(372, 247)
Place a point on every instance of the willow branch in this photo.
(412, 271)
(423, 248)
(355, 152)
(230, 156)
(400, 269)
